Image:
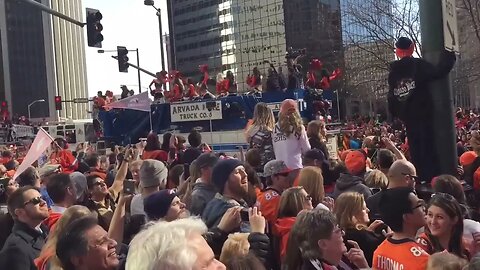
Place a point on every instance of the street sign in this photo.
(450, 29)
(80, 100)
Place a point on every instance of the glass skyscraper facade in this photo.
(238, 35)
(367, 33)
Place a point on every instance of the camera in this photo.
(294, 53)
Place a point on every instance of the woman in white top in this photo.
(289, 136)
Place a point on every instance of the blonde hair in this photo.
(220, 77)
(311, 180)
(290, 122)
(291, 202)
(71, 214)
(315, 128)
(263, 117)
(236, 245)
(445, 261)
(376, 179)
(347, 206)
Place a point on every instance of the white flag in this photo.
(40, 144)
(140, 102)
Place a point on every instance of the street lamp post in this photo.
(30, 105)
(159, 15)
(138, 65)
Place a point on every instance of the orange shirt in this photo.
(267, 202)
(403, 254)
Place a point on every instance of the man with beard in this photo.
(84, 245)
(230, 179)
(28, 210)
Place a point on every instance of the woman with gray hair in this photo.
(176, 245)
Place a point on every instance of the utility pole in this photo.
(433, 42)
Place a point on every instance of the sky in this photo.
(131, 24)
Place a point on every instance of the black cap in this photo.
(206, 160)
(403, 43)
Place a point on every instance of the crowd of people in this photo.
(287, 204)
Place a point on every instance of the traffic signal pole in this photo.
(137, 67)
(431, 25)
(53, 12)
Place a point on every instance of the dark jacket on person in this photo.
(260, 247)
(202, 193)
(408, 98)
(6, 226)
(22, 247)
(350, 183)
(216, 208)
(367, 240)
(373, 204)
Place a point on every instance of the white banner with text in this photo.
(197, 111)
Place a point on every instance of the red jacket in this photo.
(159, 155)
(52, 219)
(65, 159)
(282, 229)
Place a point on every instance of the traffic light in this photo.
(94, 28)
(58, 103)
(4, 105)
(122, 59)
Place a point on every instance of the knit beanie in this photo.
(157, 204)
(153, 173)
(221, 172)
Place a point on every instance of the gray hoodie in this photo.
(350, 183)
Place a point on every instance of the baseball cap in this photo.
(206, 160)
(468, 158)
(315, 154)
(356, 162)
(275, 167)
(288, 105)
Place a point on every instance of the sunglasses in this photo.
(34, 201)
(414, 177)
(308, 198)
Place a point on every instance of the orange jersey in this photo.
(268, 202)
(403, 254)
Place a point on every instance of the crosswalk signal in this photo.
(58, 103)
(94, 28)
(122, 59)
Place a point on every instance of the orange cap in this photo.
(467, 158)
(356, 162)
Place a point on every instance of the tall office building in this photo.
(70, 60)
(466, 73)
(42, 56)
(317, 26)
(27, 59)
(368, 46)
(238, 35)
